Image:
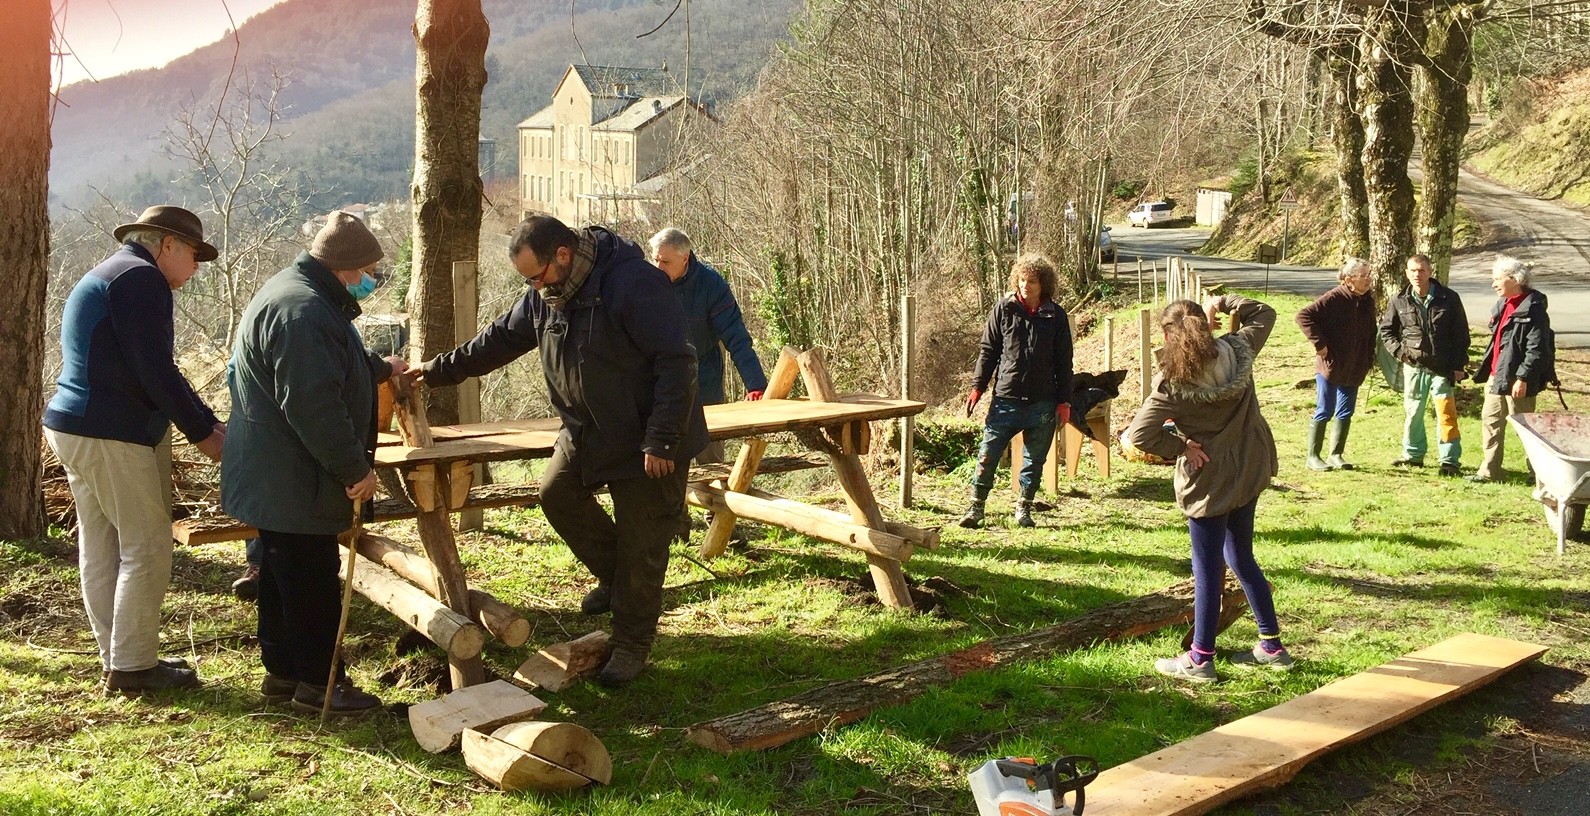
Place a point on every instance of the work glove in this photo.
(971, 400)
(753, 396)
(1063, 413)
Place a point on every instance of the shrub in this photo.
(946, 442)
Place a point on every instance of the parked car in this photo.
(1106, 246)
(1149, 213)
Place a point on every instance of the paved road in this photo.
(1556, 238)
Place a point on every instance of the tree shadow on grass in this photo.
(1311, 535)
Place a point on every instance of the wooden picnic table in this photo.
(438, 465)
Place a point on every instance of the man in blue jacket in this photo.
(712, 316)
(110, 421)
(623, 379)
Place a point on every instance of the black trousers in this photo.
(628, 551)
(299, 602)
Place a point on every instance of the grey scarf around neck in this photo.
(557, 295)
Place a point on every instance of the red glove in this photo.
(1063, 412)
(753, 396)
(971, 400)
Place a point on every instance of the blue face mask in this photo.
(363, 288)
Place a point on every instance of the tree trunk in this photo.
(450, 36)
(1347, 137)
(1443, 124)
(24, 255)
(1389, 48)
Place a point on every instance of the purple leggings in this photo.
(1218, 541)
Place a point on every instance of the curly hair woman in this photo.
(1225, 457)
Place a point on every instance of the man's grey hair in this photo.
(1510, 267)
(671, 237)
(147, 237)
(1352, 267)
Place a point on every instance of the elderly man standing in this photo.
(712, 317)
(301, 451)
(1425, 328)
(1341, 327)
(1519, 359)
(110, 421)
(623, 379)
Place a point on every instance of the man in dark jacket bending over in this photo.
(623, 379)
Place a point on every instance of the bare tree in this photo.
(451, 36)
(24, 254)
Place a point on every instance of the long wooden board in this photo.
(728, 421)
(1266, 749)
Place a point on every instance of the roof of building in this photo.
(540, 119)
(615, 81)
(639, 113)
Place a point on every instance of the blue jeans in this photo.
(1035, 421)
(1218, 542)
(1333, 401)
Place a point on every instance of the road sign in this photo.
(1269, 254)
(1288, 200)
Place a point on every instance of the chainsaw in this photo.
(1020, 786)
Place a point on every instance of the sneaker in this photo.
(1408, 462)
(623, 666)
(1280, 661)
(155, 678)
(1450, 471)
(275, 689)
(598, 601)
(1184, 668)
(346, 699)
(246, 587)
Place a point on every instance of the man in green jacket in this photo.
(299, 451)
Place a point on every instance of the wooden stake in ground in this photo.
(845, 702)
(351, 536)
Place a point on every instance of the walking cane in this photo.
(347, 600)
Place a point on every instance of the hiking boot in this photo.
(598, 601)
(1452, 471)
(275, 689)
(1339, 445)
(1024, 514)
(623, 666)
(1316, 439)
(246, 587)
(1407, 462)
(1183, 667)
(346, 699)
(1279, 661)
(155, 678)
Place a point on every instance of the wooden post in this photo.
(1109, 343)
(466, 316)
(1145, 356)
(1154, 272)
(750, 457)
(907, 424)
(1139, 280)
(887, 575)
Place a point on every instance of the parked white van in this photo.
(1149, 213)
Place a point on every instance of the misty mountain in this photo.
(348, 102)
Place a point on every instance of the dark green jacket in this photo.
(302, 427)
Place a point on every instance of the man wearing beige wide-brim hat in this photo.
(118, 394)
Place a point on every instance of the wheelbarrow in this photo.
(1558, 448)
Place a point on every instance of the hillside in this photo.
(349, 104)
(1538, 140)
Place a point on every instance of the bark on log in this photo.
(556, 667)
(456, 634)
(847, 701)
(501, 620)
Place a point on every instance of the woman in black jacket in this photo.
(1520, 358)
(1026, 354)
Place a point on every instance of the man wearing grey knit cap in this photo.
(301, 444)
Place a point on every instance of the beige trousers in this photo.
(123, 496)
(1493, 430)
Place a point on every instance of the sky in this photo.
(110, 37)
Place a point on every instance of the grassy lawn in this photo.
(1367, 565)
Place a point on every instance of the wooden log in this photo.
(556, 667)
(749, 459)
(460, 637)
(439, 724)
(565, 747)
(412, 422)
(887, 574)
(501, 620)
(847, 701)
(801, 518)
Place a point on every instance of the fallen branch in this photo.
(847, 701)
